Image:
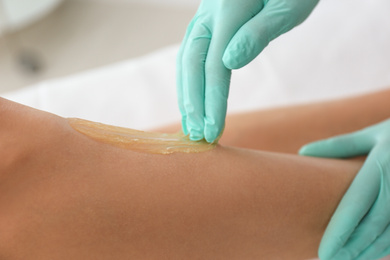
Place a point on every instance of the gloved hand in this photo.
(360, 227)
(225, 35)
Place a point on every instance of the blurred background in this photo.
(44, 39)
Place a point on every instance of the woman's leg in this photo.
(286, 129)
(289, 128)
(66, 196)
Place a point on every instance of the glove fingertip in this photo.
(310, 149)
(211, 132)
(196, 135)
(231, 59)
(303, 150)
(241, 50)
(211, 135)
(328, 249)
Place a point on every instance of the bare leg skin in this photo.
(286, 129)
(66, 196)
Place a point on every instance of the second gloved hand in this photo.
(360, 227)
(225, 35)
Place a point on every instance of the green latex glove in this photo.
(225, 35)
(360, 227)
